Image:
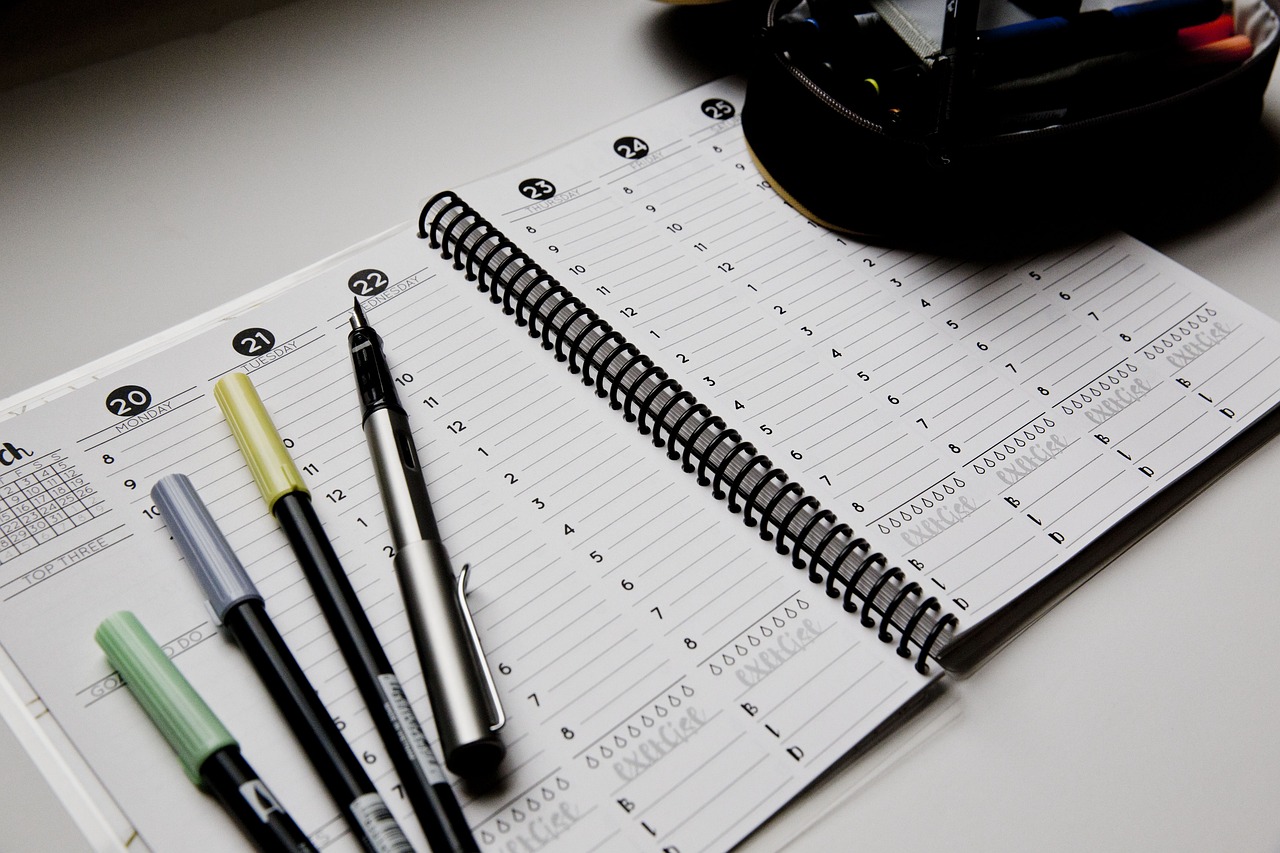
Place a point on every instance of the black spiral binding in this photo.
(740, 475)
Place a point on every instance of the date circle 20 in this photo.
(537, 189)
(368, 282)
(252, 342)
(718, 108)
(128, 400)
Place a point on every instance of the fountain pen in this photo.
(464, 699)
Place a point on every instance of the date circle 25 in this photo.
(537, 189)
(368, 282)
(253, 341)
(718, 108)
(128, 400)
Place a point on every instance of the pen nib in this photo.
(358, 321)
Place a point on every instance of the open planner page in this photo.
(670, 680)
(980, 422)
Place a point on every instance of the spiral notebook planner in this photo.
(748, 481)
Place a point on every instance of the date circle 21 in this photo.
(718, 108)
(253, 341)
(537, 189)
(128, 400)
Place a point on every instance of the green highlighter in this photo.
(208, 752)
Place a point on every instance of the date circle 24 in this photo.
(368, 282)
(630, 147)
(253, 341)
(537, 189)
(128, 400)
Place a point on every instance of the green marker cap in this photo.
(269, 461)
(169, 699)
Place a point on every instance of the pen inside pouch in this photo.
(1114, 81)
(877, 57)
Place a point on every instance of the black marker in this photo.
(289, 500)
(237, 603)
(209, 754)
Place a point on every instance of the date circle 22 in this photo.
(128, 400)
(368, 282)
(253, 341)
(718, 108)
(537, 189)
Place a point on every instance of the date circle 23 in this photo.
(128, 400)
(718, 108)
(368, 282)
(537, 188)
(253, 341)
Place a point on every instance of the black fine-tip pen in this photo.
(464, 700)
(209, 754)
(236, 602)
(289, 500)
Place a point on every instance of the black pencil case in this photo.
(1001, 169)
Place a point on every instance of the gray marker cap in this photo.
(206, 550)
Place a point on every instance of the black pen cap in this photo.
(373, 376)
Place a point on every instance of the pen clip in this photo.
(497, 716)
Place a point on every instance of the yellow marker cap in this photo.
(269, 462)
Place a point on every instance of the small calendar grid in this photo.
(41, 500)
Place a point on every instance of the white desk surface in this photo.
(1143, 712)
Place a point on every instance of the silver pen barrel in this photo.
(464, 699)
(452, 665)
(400, 477)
